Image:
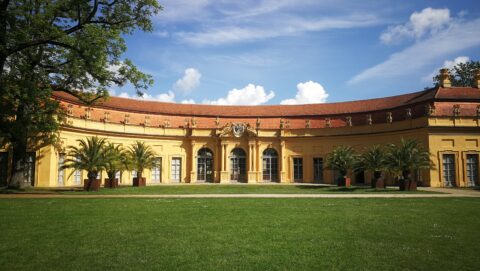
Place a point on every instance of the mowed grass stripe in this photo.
(239, 234)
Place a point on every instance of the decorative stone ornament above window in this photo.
(389, 117)
(369, 119)
(408, 112)
(456, 110)
(238, 129)
(349, 121)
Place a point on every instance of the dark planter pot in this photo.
(380, 183)
(92, 185)
(139, 182)
(111, 184)
(401, 184)
(412, 186)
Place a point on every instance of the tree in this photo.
(405, 158)
(373, 159)
(88, 156)
(342, 158)
(115, 158)
(140, 157)
(462, 74)
(70, 45)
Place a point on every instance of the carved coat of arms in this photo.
(238, 129)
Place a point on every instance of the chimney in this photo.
(476, 79)
(445, 78)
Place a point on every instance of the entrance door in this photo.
(449, 170)
(360, 177)
(270, 165)
(472, 169)
(157, 170)
(176, 169)
(318, 169)
(238, 165)
(3, 168)
(205, 165)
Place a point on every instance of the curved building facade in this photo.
(273, 143)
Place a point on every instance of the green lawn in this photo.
(240, 234)
(225, 189)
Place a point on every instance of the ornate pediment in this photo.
(236, 129)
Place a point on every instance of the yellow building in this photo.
(273, 143)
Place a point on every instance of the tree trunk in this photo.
(407, 178)
(19, 176)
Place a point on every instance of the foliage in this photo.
(115, 159)
(372, 159)
(87, 156)
(462, 74)
(140, 157)
(342, 158)
(70, 45)
(406, 157)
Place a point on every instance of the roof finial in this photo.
(445, 78)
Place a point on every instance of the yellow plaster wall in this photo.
(305, 143)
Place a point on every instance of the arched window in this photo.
(238, 165)
(205, 165)
(270, 165)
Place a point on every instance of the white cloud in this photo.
(189, 81)
(249, 95)
(428, 21)
(168, 97)
(284, 27)
(410, 61)
(447, 64)
(308, 93)
(188, 101)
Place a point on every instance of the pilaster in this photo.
(224, 178)
(283, 163)
(251, 174)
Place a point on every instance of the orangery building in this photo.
(272, 143)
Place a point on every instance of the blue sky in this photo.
(300, 51)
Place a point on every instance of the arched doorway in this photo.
(238, 165)
(205, 165)
(270, 165)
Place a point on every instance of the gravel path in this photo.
(448, 193)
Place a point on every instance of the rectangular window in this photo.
(3, 168)
(318, 169)
(298, 169)
(176, 169)
(449, 170)
(118, 176)
(77, 174)
(157, 170)
(30, 168)
(472, 169)
(61, 171)
(134, 174)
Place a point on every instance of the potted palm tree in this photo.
(115, 161)
(406, 157)
(87, 156)
(373, 160)
(342, 158)
(140, 157)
